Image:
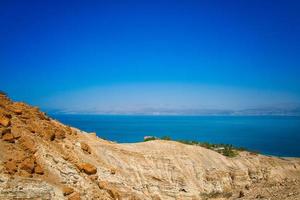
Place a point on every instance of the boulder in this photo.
(4, 121)
(112, 171)
(3, 131)
(38, 169)
(24, 174)
(104, 185)
(60, 134)
(8, 137)
(18, 131)
(27, 144)
(18, 156)
(241, 194)
(11, 166)
(88, 168)
(85, 147)
(17, 111)
(74, 196)
(50, 136)
(67, 190)
(28, 165)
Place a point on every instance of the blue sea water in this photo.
(269, 135)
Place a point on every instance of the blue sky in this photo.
(124, 56)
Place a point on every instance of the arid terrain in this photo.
(41, 158)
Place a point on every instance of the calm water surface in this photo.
(269, 135)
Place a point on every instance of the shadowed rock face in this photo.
(41, 158)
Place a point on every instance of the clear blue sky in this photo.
(130, 55)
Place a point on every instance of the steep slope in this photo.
(41, 158)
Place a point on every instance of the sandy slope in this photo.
(41, 158)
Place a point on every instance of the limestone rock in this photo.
(38, 169)
(19, 131)
(242, 194)
(24, 173)
(27, 143)
(17, 111)
(67, 190)
(88, 168)
(50, 136)
(28, 165)
(11, 166)
(4, 131)
(85, 147)
(103, 184)
(4, 121)
(8, 137)
(60, 134)
(74, 196)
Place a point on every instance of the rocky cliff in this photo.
(40, 158)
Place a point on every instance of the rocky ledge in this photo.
(41, 158)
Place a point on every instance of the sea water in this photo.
(271, 135)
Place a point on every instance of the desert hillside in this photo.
(41, 158)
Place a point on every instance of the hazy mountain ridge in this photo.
(267, 111)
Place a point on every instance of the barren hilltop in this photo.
(41, 158)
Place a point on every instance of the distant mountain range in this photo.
(291, 111)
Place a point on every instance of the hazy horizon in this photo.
(172, 99)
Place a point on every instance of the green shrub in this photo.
(165, 138)
(149, 138)
(229, 152)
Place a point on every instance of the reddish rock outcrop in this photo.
(74, 196)
(19, 131)
(85, 147)
(4, 131)
(67, 190)
(27, 143)
(11, 166)
(28, 165)
(38, 169)
(4, 121)
(8, 137)
(88, 168)
(17, 111)
(60, 135)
